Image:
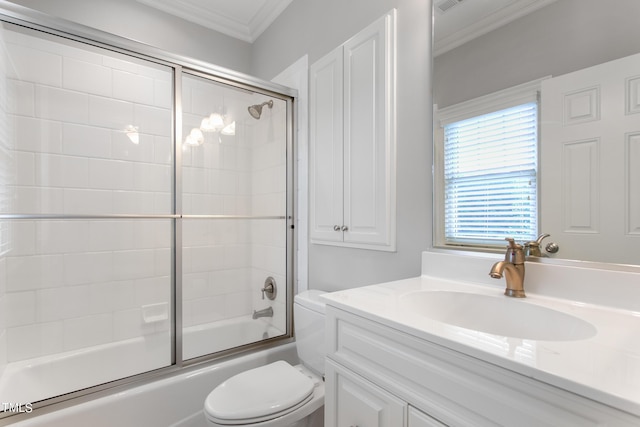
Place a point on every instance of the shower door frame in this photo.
(24, 17)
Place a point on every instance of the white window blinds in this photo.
(490, 185)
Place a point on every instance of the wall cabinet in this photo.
(395, 377)
(352, 141)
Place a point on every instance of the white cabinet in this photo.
(352, 141)
(386, 368)
(357, 402)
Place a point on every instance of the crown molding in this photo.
(482, 26)
(262, 14)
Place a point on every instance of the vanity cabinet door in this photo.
(352, 401)
(418, 418)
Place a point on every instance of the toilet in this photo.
(279, 394)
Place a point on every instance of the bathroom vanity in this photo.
(448, 348)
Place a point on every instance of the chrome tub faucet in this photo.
(513, 269)
(267, 312)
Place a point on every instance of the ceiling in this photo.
(456, 21)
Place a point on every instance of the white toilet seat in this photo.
(260, 395)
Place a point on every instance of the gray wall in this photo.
(315, 28)
(563, 37)
(133, 20)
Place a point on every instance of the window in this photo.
(486, 169)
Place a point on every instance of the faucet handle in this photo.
(532, 248)
(512, 243)
(269, 288)
(541, 237)
(514, 254)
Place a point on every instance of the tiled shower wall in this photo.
(268, 252)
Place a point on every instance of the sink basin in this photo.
(499, 315)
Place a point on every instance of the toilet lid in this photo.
(264, 392)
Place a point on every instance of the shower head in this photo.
(256, 110)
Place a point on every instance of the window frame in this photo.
(503, 99)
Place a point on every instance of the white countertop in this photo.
(604, 367)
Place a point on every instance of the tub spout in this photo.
(267, 312)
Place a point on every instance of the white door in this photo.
(590, 162)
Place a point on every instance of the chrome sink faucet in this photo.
(513, 269)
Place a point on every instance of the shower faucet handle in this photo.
(269, 288)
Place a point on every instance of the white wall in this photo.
(314, 28)
(565, 36)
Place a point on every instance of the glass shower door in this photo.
(234, 227)
(86, 215)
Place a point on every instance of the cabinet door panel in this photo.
(369, 154)
(420, 419)
(353, 401)
(326, 168)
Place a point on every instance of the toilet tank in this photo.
(308, 321)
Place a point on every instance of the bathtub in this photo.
(221, 335)
(174, 401)
(56, 374)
